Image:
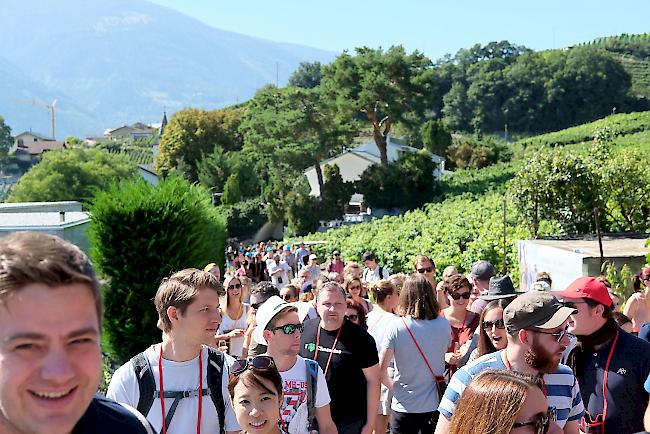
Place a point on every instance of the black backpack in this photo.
(148, 392)
(312, 380)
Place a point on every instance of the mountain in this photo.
(113, 62)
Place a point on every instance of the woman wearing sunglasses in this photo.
(503, 402)
(356, 313)
(463, 322)
(256, 390)
(354, 289)
(492, 334)
(233, 317)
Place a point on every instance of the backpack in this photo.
(148, 392)
(312, 380)
(367, 271)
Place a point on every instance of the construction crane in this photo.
(38, 103)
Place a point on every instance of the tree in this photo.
(435, 137)
(213, 169)
(139, 235)
(293, 127)
(383, 87)
(6, 141)
(71, 174)
(191, 133)
(308, 75)
(335, 194)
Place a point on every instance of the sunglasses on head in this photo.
(352, 318)
(235, 286)
(487, 325)
(288, 329)
(540, 422)
(425, 270)
(261, 363)
(457, 296)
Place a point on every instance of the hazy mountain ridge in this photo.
(128, 60)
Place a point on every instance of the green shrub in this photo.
(139, 235)
(244, 218)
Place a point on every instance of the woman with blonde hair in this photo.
(636, 308)
(233, 317)
(503, 402)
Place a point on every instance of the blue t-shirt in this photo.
(561, 386)
(629, 369)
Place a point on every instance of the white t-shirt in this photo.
(379, 273)
(177, 376)
(281, 278)
(228, 324)
(294, 406)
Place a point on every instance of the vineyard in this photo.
(136, 155)
(468, 222)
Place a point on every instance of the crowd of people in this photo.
(283, 341)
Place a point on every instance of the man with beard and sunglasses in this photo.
(536, 325)
(608, 359)
(306, 397)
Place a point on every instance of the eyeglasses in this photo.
(235, 286)
(557, 335)
(286, 297)
(425, 270)
(261, 363)
(288, 329)
(336, 254)
(352, 318)
(487, 325)
(351, 288)
(256, 305)
(456, 296)
(540, 422)
(572, 304)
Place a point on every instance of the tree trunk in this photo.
(379, 135)
(319, 175)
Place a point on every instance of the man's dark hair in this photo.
(265, 290)
(607, 310)
(368, 256)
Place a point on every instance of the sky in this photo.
(433, 27)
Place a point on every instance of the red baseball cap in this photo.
(587, 287)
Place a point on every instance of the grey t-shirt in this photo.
(414, 388)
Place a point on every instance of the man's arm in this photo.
(325, 423)
(572, 427)
(372, 393)
(443, 425)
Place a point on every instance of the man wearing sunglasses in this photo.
(606, 358)
(536, 330)
(306, 396)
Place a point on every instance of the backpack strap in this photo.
(216, 364)
(146, 382)
(312, 381)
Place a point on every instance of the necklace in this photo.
(329, 359)
(162, 392)
(509, 368)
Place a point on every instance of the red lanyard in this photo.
(609, 359)
(509, 368)
(329, 359)
(162, 392)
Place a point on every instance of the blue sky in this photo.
(433, 27)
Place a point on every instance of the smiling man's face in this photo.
(50, 358)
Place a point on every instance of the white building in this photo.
(29, 146)
(353, 162)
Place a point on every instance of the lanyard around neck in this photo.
(162, 392)
(609, 359)
(329, 359)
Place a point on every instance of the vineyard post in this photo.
(505, 245)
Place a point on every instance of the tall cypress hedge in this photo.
(140, 234)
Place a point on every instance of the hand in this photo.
(452, 358)
(236, 333)
(368, 428)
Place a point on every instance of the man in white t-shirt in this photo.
(188, 308)
(373, 271)
(304, 385)
(279, 271)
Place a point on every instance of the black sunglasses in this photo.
(487, 325)
(256, 305)
(286, 297)
(456, 296)
(235, 286)
(352, 318)
(557, 335)
(288, 329)
(425, 270)
(540, 422)
(258, 362)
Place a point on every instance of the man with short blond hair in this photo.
(50, 356)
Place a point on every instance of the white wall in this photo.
(563, 266)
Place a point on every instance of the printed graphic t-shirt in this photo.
(294, 409)
(354, 351)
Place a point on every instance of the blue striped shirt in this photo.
(561, 386)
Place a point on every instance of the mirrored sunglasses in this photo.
(288, 329)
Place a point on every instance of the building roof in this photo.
(24, 221)
(613, 246)
(67, 205)
(37, 135)
(148, 168)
